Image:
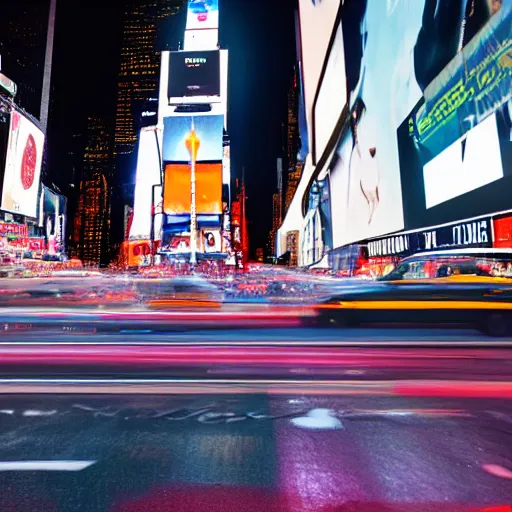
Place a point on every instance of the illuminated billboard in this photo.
(147, 174)
(22, 167)
(317, 20)
(210, 241)
(456, 145)
(52, 218)
(202, 14)
(193, 74)
(331, 95)
(177, 193)
(398, 51)
(179, 131)
(201, 40)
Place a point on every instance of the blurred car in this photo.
(454, 262)
(180, 292)
(447, 287)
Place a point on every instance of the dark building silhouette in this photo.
(23, 37)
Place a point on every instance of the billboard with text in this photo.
(193, 74)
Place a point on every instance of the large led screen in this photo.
(23, 166)
(181, 132)
(193, 74)
(177, 189)
(394, 52)
(317, 239)
(455, 147)
(201, 40)
(331, 96)
(202, 14)
(147, 174)
(52, 219)
(317, 20)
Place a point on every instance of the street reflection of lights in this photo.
(497, 470)
(34, 413)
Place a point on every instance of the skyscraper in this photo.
(91, 226)
(293, 143)
(23, 42)
(137, 86)
(139, 68)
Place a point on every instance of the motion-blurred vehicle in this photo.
(470, 263)
(180, 292)
(466, 287)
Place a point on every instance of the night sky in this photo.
(261, 39)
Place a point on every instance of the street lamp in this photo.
(192, 144)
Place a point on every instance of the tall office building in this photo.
(293, 143)
(91, 226)
(276, 222)
(23, 44)
(139, 68)
(137, 88)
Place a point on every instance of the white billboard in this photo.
(23, 166)
(331, 94)
(201, 40)
(317, 20)
(148, 174)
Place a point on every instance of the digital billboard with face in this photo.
(177, 193)
(202, 14)
(193, 74)
(180, 132)
(23, 166)
(394, 54)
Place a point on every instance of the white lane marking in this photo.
(34, 413)
(7, 411)
(46, 465)
(318, 419)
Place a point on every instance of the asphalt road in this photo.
(252, 453)
(262, 335)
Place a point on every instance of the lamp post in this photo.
(192, 144)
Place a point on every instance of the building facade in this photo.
(409, 150)
(137, 86)
(293, 142)
(23, 31)
(92, 218)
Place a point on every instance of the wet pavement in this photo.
(253, 452)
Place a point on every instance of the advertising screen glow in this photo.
(316, 21)
(23, 166)
(332, 95)
(202, 14)
(177, 194)
(456, 145)
(180, 130)
(422, 129)
(148, 174)
(193, 74)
